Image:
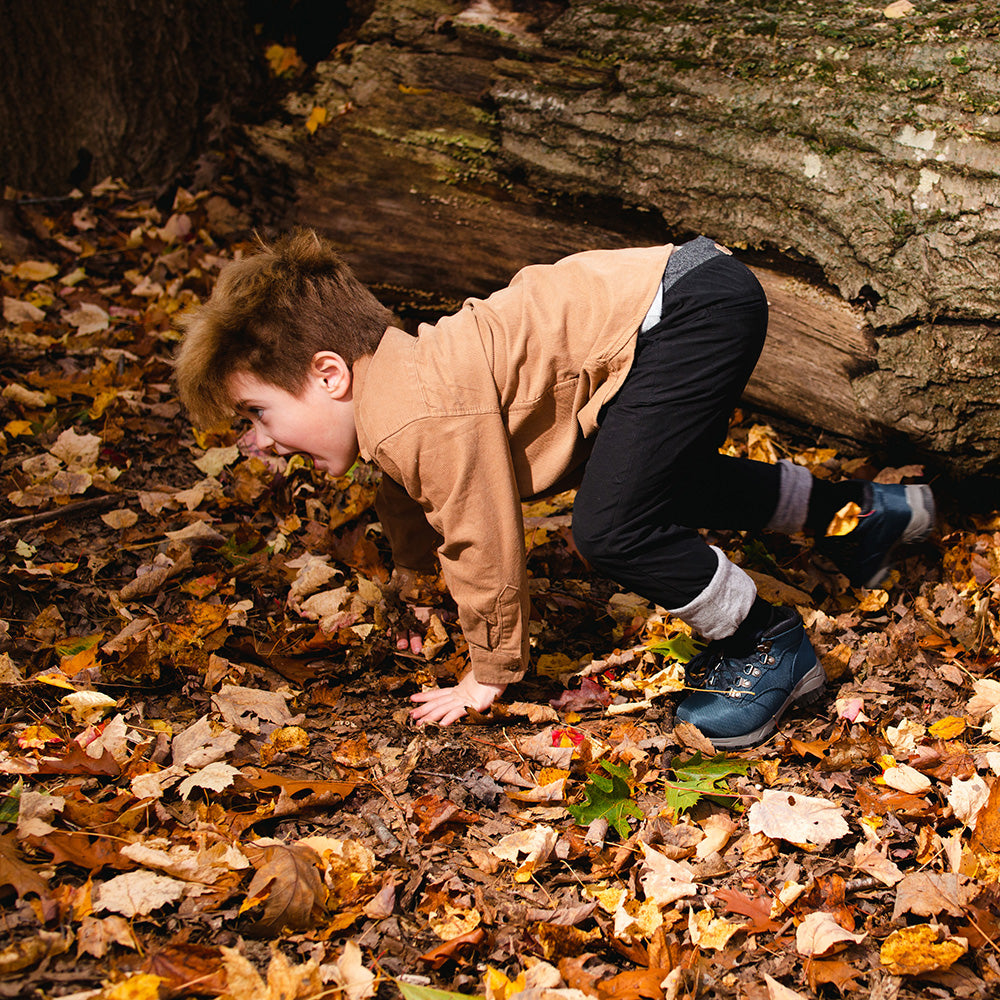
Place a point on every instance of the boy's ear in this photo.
(334, 372)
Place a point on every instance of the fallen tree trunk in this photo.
(846, 156)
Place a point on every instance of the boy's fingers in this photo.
(443, 714)
(411, 643)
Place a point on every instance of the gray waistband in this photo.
(687, 257)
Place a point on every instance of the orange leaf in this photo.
(630, 985)
(455, 949)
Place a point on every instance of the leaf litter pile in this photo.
(210, 786)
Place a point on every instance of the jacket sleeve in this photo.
(412, 539)
(459, 470)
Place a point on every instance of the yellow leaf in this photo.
(549, 774)
(34, 270)
(454, 921)
(35, 738)
(844, 521)
(874, 600)
(760, 444)
(912, 950)
(288, 739)
(709, 931)
(948, 728)
(101, 402)
(499, 987)
(320, 116)
(418, 91)
(18, 428)
(283, 60)
(554, 665)
(141, 986)
(56, 680)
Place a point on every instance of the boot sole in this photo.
(808, 690)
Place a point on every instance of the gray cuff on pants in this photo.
(794, 489)
(720, 608)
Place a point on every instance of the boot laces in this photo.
(736, 674)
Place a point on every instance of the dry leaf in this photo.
(203, 864)
(800, 819)
(287, 887)
(665, 881)
(819, 934)
(34, 270)
(351, 975)
(97, 935)
(911, 951)
(869, 858)
(967, 798)
(691, 737)
(537, 843)
(119, 519)
(87, 318)
(904, 778)
(216, 459)
(929, 893)
(87, 707)
(453, 921)
(284, 980)
(77, 450)
(246, 708)
(709, 931)
(776, 991)
(138, 893)
(202, 743)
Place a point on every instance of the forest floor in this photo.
(210, 786)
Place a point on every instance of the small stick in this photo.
(70, 510)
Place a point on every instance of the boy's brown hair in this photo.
(267, 316)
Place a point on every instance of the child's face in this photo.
(318, 421)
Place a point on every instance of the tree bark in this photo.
(93, 88)
(849, 157)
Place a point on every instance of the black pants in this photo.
(655, 472)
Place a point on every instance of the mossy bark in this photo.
(848, 156)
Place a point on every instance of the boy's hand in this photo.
(412, 641)
(403, 590)
(446, 705)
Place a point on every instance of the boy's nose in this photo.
(254, 440)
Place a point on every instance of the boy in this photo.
(620, 365)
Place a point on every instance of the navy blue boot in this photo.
(890, 516)
(743, 692)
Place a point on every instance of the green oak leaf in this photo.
(412, 992)
(697, 778)
(608, 796)
(681, 648)
(11, 803)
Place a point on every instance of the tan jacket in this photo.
(491, 406)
